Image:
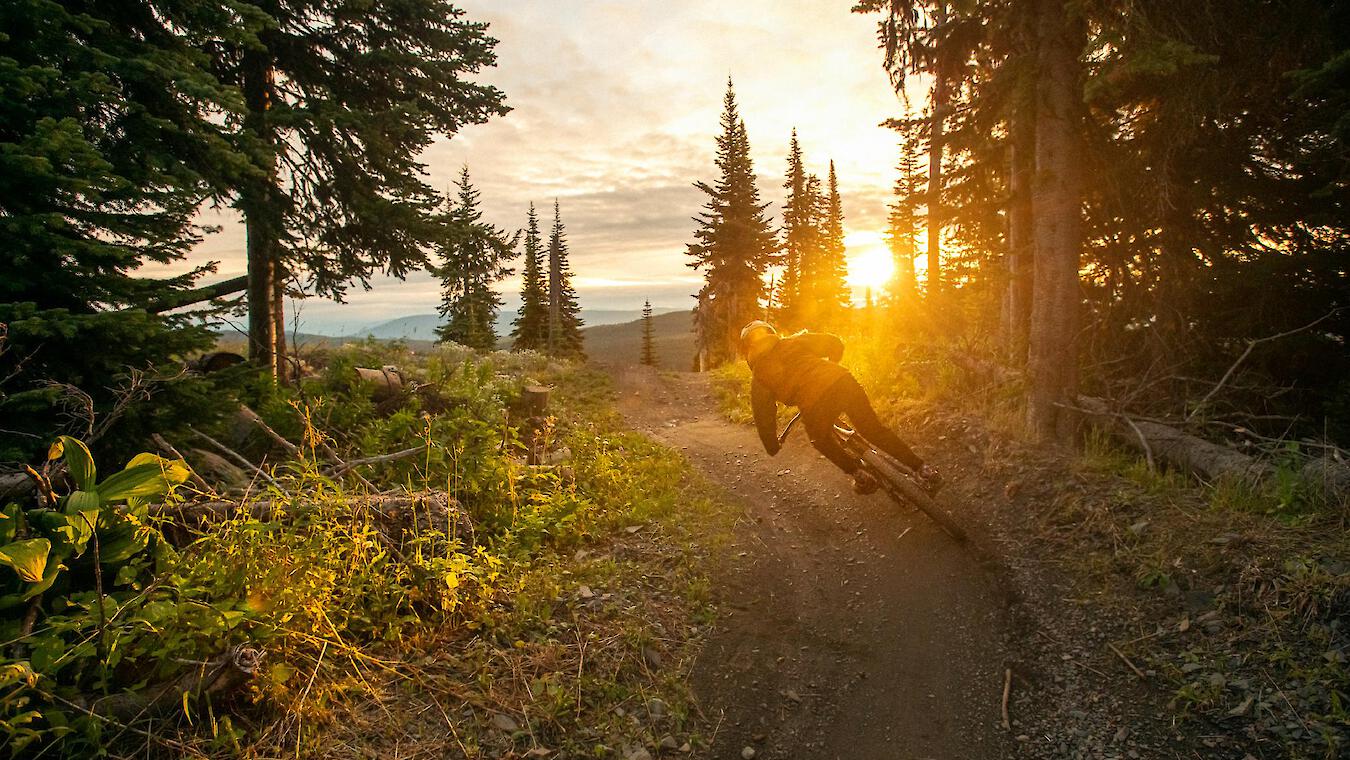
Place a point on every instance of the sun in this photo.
(869, 262)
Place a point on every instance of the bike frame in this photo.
(899, 481)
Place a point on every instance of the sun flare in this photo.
(869, 264)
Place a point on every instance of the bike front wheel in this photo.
(901, 488)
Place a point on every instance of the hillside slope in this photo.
(622, 344)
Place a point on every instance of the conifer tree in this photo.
(474, 257)
(833, 270)
(903, 223)
(798, 236)
(339, 103)
(564, 313)
(530, 330)
(648, 347)
(108, 143)
(734, 242)
(810, 283)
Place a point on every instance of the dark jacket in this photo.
(797, 371)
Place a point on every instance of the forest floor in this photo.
(851, 628)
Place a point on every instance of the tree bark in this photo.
(259, 205)
(281, 368)
(178, 300)
(1052, 360)
(935, 148)
(261, 325)
(554, 301)
(1021, 237)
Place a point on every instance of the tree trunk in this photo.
(1021, 245)
(935, 210)
(905, 287)
(259, 204)
(1052, 360)
(554, 302)
(281, 368)
(261, 325)
(1175, 271)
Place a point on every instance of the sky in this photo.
(615, 109)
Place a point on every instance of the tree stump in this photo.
(535, 400)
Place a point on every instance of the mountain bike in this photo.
(898, 481)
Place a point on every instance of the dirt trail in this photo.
(851, 628)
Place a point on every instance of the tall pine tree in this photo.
(648, 344)
(474, 257)
(530, 330)
(832, 274)
(340, 101)
(811, 282)
(798, 236)
(564, 313)
(734, 243)
(906, 211)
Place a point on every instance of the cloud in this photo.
(615, 107)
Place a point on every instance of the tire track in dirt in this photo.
(850, 627)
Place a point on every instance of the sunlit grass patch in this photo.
(533, 608)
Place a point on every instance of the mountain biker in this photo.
(802, 370)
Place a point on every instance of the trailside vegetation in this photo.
(168, 607)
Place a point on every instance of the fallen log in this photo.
(1159, 442)
(221, 675)
(387, 381)
(15, 484)
(398, 515)
(1204, 459)
(380, 459)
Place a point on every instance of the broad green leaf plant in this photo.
(98, 525)
(36, 543)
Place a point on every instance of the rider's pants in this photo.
(848, 398)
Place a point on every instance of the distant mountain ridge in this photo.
(423, 326)
(621, 344)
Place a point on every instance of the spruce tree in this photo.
(648, 347)
(832, 273)
(798, 236)
(810, 286)
(340, 102)
(530, 329)
(564, 313)
(903, 223)
(734, 243)
(474, 257)
(109, 140)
